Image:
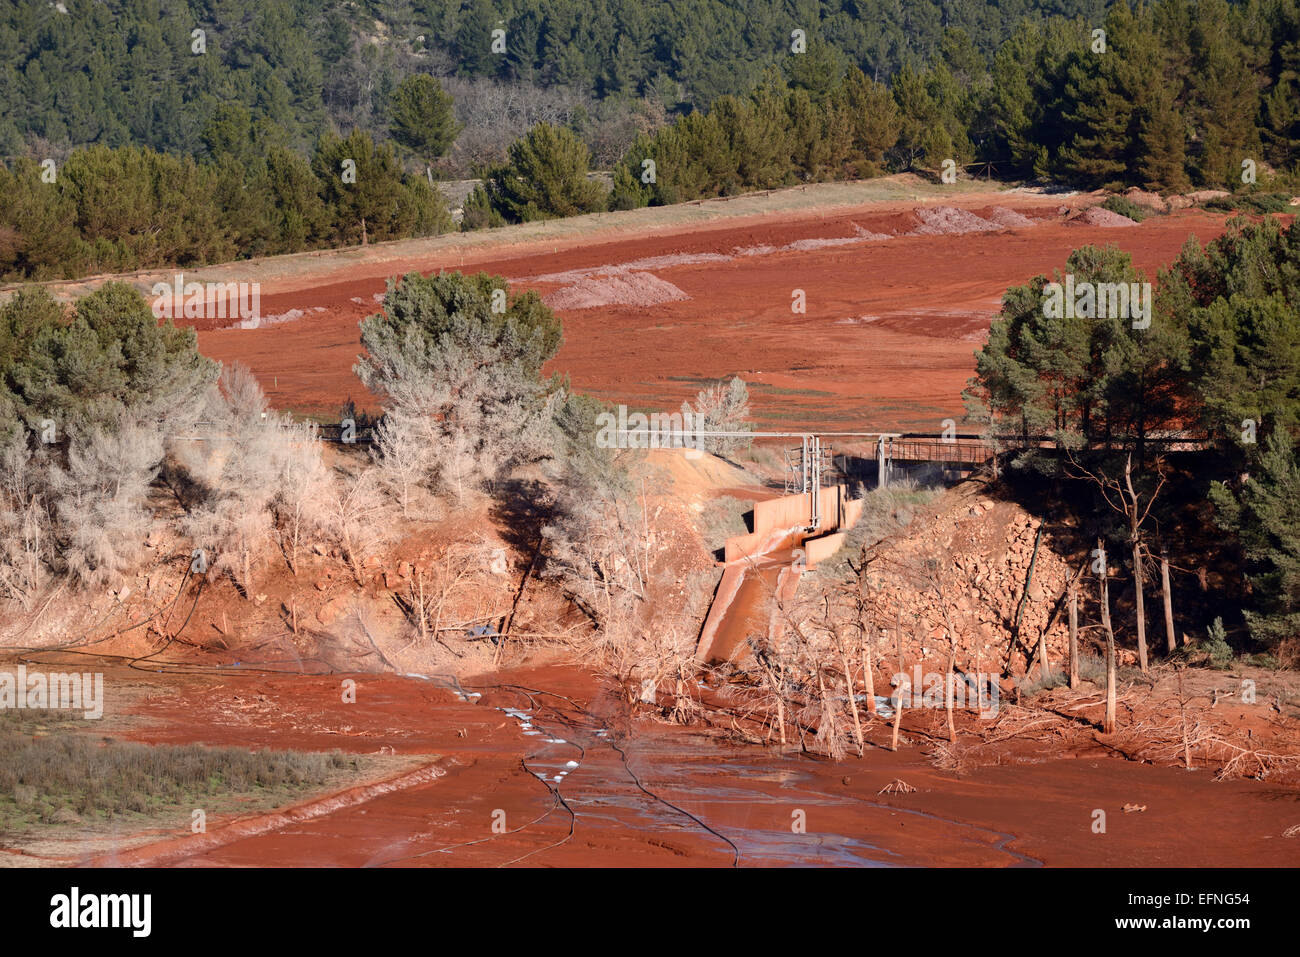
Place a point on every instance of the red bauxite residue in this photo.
(717, 301)
(553, 752)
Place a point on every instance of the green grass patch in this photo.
(50, 775)
(1252, 203)
(766, 389)
(885, 512)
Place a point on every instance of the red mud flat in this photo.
(898, 298)
(550, 754)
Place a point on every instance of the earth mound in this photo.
(1009, 218)
(632, 289)
(1096, 216)
(986, 548)
(1149, 200)
(950, 221)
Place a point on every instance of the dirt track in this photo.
(892, 316)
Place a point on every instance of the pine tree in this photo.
(818, 70)
(874, 121)
(425, 308)
(1280, 110)
(1100, 109)
(366, 193)
(301, 220)
(1224, 97)
(629, 192)
(920, 137)
(474, 39)
(1241, 297)
(545, 177)
(1264, 513)
(38, 232)
(452, 365)
(111, 358)
(422, 118)
(1013, 106)
(1163, 135)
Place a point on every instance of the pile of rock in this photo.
(966, 567)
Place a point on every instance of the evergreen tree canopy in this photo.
(106, 360)
(371, 199)
(423, 121)
(420, 310)
(545, 177)
(1221, 353)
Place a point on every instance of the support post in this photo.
(814, 483)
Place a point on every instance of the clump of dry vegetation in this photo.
(161, 446)
(172, 475)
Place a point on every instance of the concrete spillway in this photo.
(763, 567)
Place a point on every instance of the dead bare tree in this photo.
(1124, 499)
(901, 694)
(433, 603)
(1104, 577)
(25, 534)
(601, 545)
(866, 644)
(812, 635)
(1171, 643)
(357, 522)
(1074, 633)
(950, 678)
(857, 599)
(303, 490)
(493, 114)
(830, 737)
(842, 649)
(776, 682)
(403, 451)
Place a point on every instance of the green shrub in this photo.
(1262, 203)
(1267, 202)
(1216, 644)
(57, 777)
(723, 518)
(1126, 207)
(478, 212)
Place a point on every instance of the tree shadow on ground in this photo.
(520, 509)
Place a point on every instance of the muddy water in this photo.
(546, 768)
(561, 781)
(749, 611)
